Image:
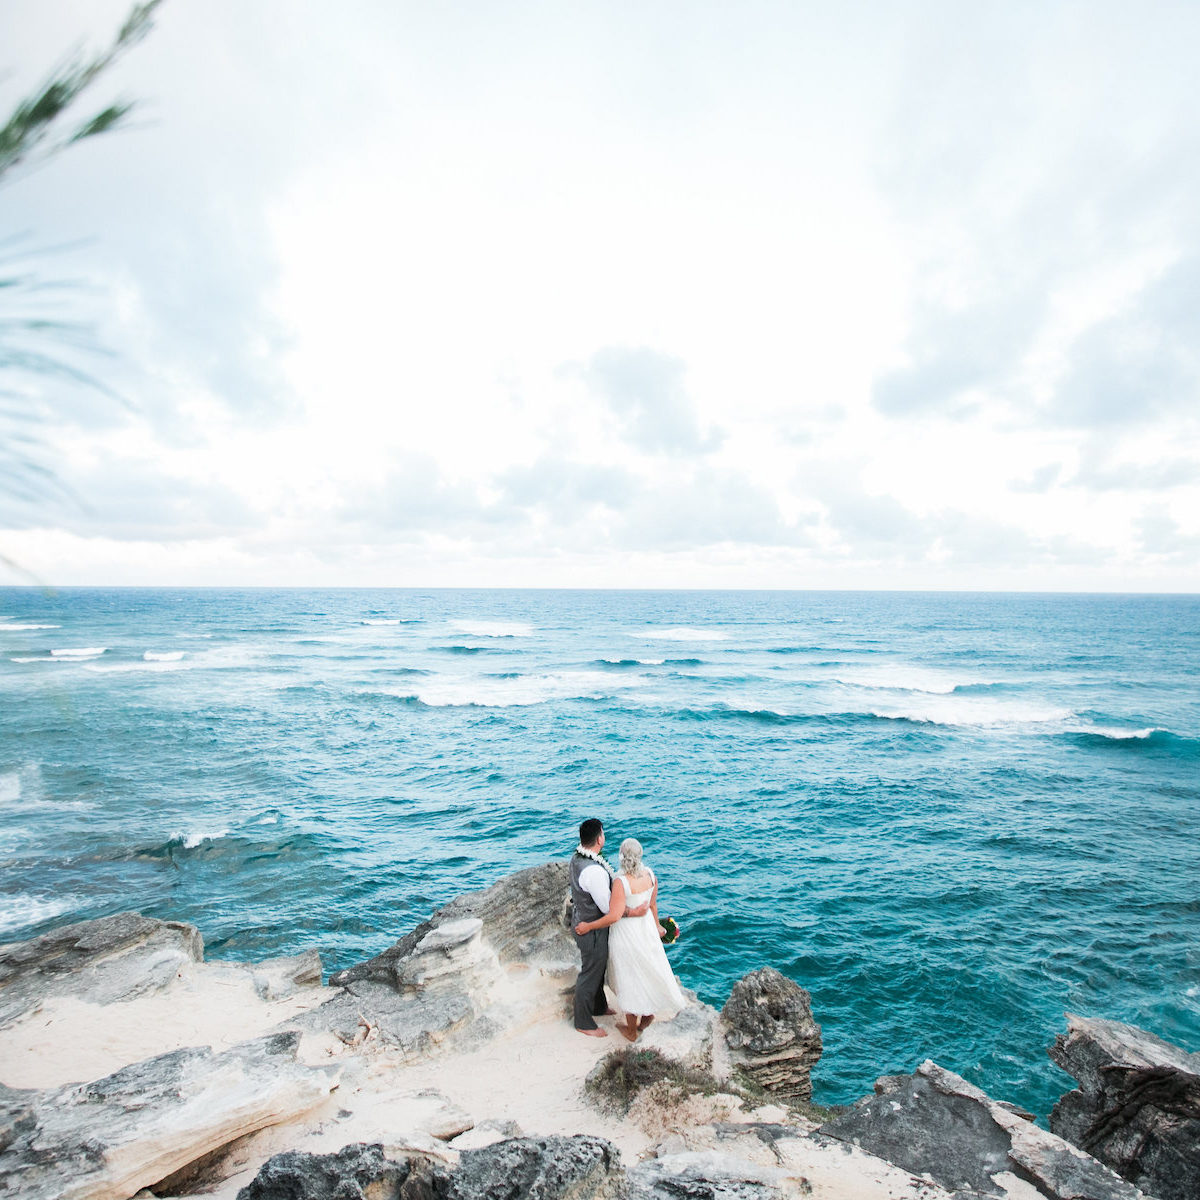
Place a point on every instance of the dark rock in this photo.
(934, 1123)
(102, 961)
(355, 1172)
(771, 1033)
(551, 1168)
(150, 1120)
(1137, 1107)
(521, 922)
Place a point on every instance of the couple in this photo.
(615, 918)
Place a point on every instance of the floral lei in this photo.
(596, 857)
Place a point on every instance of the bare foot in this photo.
(592, 1032)
(644, 1023)
(630, 1035)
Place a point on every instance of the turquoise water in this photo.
(950, 817)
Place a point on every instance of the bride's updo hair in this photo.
(631, 856)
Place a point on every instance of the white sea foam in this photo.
(163, 655)
(641, 662)
(981, 711)
(84, 652)
(19, 911)
(1121, 735)
(898, 676)
(681, 633)
(10, 787)
(493, 629)
(198, 837)
(5, 627)
(35, 658)
(380, 621)
(446, 691)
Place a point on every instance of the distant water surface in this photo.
(950, 817)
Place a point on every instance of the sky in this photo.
(755, 295)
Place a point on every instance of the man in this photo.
(591, 896)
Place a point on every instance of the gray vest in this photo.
(583, 907)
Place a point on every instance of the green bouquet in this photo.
(672, 931)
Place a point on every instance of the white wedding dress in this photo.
(639, 975)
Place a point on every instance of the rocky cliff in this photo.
(446, 1067)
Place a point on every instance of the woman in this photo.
(639, 975)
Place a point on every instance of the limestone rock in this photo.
(444, 981)
(1137, 1107)
(551, 1168)
(771, 1033)
(486, 1133)
(281, 978)
(102, 961)
(132, 1129)
(703, 1176)
(935, 1123)
(519, 918)
(355, 1172)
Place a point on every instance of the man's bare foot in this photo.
(593, 1032)
(645, 1022)
(608, 1012)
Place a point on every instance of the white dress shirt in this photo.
(594, 880)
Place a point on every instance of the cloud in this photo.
(1140, 365)
(567, 487)
(1040, 480)
(1122, 477)
(1159, 534)
(645, 390)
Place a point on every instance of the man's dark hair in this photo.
(590, 831)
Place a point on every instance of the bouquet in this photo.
(672, 931)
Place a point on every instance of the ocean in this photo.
(950, 817)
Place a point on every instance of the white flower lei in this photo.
(597, 858)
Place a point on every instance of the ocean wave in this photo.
(1136, 740)
(32, 659)
(461, 649)
(197, 837)
(630, 662)
(23, 911)
(903, 677)
(380, 621)
(681, 633)
(10, 787)
(83, 652)
(982, 712)
(513, 691)
(163, 655)
(6, 627)
(683, 662)
(493, 629)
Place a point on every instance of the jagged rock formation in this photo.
(771, 1033)
(935, 1123)
(103, 961)
(519, 916)
(355, 1172)
(280, 978)
(150, 1120)
(551, 1168)
(1137, 1107)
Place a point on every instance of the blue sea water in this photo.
(950, 817)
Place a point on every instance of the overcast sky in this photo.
(620, 294)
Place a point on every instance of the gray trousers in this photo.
(590, 1001)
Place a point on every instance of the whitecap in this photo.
(84, 652)
(163, 656)
(1120, 735)
(493, 629)
(17, 912)
(681, 633)
(35, 658)
(450, 691)
(904, 677)
(641, 662)
(981, 711)
(199, 836)
(380, 621)
(7, 628)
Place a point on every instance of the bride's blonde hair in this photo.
(631, 856)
